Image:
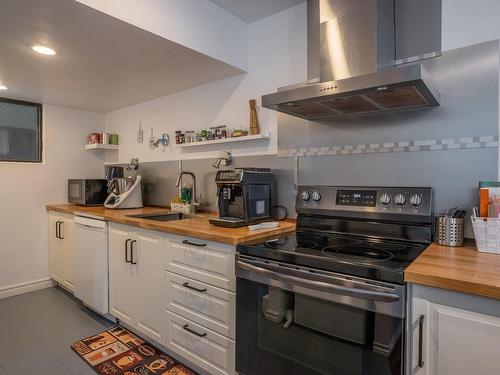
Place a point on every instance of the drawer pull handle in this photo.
(186, 285)
(186, 327)
(132, 261)
(187, 242)
(126, 251)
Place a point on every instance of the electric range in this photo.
(336, 283)
(373, 258)
(362, 231)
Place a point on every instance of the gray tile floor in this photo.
(37, 329)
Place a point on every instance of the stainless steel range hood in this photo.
(356, 60)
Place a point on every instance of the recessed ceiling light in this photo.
(43, 50)
(2, 87)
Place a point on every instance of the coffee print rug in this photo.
(120, 352)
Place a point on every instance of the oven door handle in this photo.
(319, 285)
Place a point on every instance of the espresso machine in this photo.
(244, 196)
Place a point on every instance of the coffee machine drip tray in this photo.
(229, 222)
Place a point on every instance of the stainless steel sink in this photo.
(164, 216)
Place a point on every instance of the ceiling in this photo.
(254, 10)
(102, 63)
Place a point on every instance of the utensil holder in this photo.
(487, 234)
(449, 231)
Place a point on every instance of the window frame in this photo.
(39, 109)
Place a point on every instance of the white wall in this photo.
(468, 22)
(197, 24)
(25, 189)
(276, 58)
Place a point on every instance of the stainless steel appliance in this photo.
(87, 192)
(354, 47)
(244, 196)
(330, 298)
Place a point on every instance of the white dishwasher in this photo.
(91, 263)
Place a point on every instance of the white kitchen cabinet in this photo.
(460, 333)
(206, 261)
(205, 304)
(148, 278)
(207, 349)
(200, 302)
(135, 278)
(62, 249)
(121, 294)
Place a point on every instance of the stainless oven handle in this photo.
(321, 286)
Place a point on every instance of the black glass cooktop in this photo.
(382, 260)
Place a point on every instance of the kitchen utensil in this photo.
(475, 212)
(449, 212)
(114, 171)
(449, 230)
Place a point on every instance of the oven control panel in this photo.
(362, 198)
(414, 201)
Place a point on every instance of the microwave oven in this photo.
(87, 192)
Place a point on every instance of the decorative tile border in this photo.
(390, 147)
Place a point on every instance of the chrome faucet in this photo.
(182, 173)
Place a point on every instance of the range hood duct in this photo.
(353, 46)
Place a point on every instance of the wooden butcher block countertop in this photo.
(461, 269)
(198, 227)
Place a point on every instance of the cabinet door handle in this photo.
(132, 261)
(126, 250)
(421, 341)
(60, 231)
(187, 242)
(186, 327)
(186, 285)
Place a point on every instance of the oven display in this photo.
(356, 198)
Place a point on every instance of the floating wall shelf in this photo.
(100, 146)
(223, 141)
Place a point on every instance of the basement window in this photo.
(20, 131)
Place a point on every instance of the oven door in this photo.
(292, 320)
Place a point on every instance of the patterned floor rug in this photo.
(120, 352)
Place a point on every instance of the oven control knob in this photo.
(316, 196)
(400, 199)
(385, 199)
(305, 196)
(416, 200)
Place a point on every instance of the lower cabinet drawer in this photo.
(201, 260)
(203, 347)
(205, 304)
